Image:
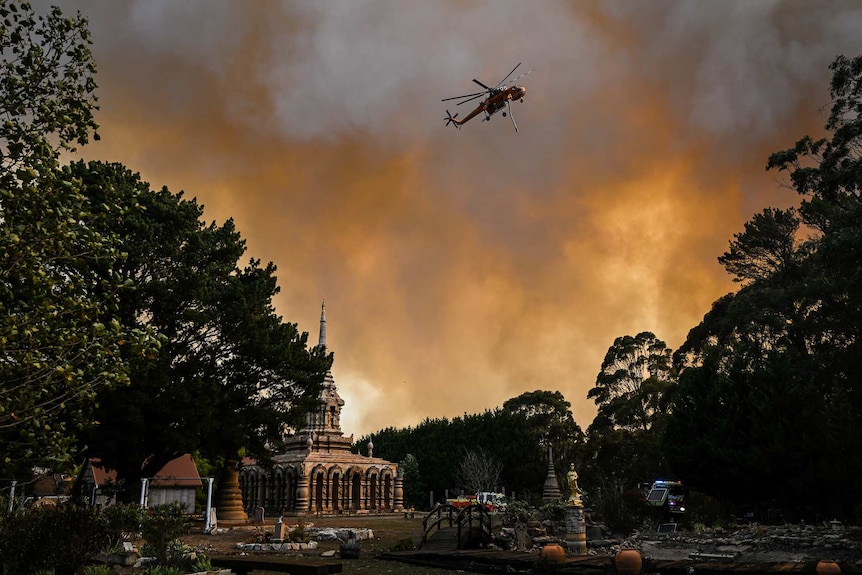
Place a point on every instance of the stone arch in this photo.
(333, 481)
(372, 475)
(283, 489)
(318, 488)
(249, 485)
(354, 486)
(387, 489)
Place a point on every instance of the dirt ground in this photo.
(389, 531)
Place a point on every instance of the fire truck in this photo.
(493, 502)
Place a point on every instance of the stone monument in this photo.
(551, 492)
(576, 528)
(317, 471)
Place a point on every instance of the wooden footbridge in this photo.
(449, 528)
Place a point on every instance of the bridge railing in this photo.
(475, 515)
(465, 518)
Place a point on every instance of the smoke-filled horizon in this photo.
(463, 268)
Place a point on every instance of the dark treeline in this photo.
(515, 437)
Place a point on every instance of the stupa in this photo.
(317, 473)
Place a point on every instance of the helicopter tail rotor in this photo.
(450, 119)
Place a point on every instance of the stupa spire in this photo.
(322, 340)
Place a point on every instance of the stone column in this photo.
(228, 501)
(302, 494)
(399, 491)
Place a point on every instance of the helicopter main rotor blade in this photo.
(521, 76)
(471, 99)
(483, 85)
(507, 76)
(465, 96)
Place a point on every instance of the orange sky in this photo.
(461, 269)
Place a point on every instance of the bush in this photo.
(299, 534)
(44, 538)
(160, 526)
(518, 512)
(122, 522)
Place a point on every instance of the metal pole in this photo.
(144, 481)
(208, 524)
(12, 495)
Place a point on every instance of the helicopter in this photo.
(498, 97)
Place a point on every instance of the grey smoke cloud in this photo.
(463, 268)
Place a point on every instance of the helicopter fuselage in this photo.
(495, 100)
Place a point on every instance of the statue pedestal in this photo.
(576, 530)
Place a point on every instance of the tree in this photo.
(414, 495)
(60, 337)
(478, 471)
(549, 417)
(622, 447)
(231, 373)
(768, 388)
(766, 248)
(632, 381)
(47, 86)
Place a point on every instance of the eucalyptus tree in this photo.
(768, 391)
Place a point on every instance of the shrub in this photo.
(555, 511)
(299, 534)
(122, 522)
(58, 538)
(518, 512)
(160, 526)
(202, 563)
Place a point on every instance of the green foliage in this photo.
(122, 521)
(162, 525)
(414, 496)
(58, 538)
(555, 511)
(518, 511)
(299, 534)
(98, 570)
(202, 563)
(61, 339)
(46, 85)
